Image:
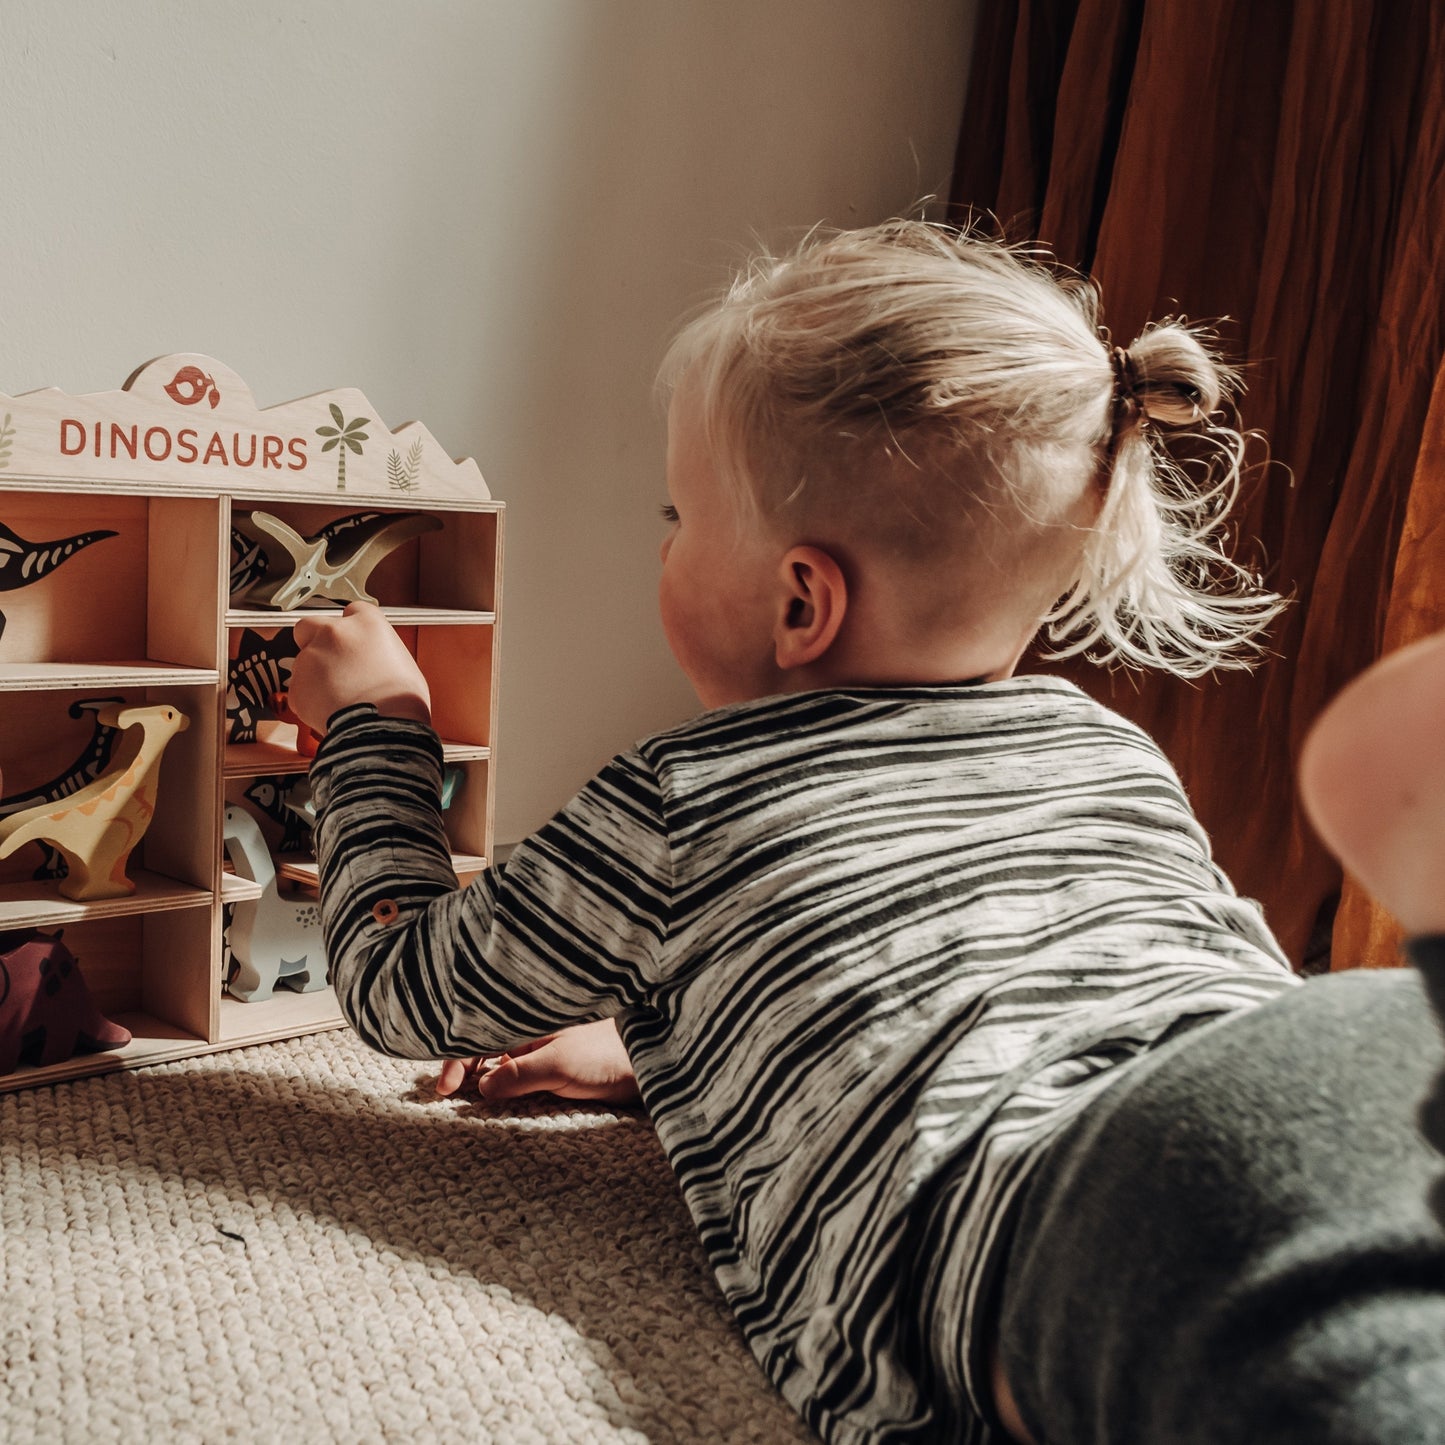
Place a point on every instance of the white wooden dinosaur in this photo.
(98, 827)
(273, 939)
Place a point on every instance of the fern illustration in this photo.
(405, 476)
(7, 435)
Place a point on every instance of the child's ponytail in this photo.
(1156, 588)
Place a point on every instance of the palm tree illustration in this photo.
(344, 436)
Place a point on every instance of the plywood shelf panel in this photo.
(304, 870)
(465, 752)
(262, 760)
(23, 906)
(282, 1016)
(271, 758)
(235, 889)
(155, 1042)
(79, 676)
(261, 617)
(152, 1042)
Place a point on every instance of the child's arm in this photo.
(568, 931)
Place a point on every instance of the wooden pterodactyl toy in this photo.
(332, 566)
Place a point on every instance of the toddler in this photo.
(997, 1110)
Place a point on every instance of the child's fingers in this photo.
(583, 1062)
(311, 626)
(531, 1047)
(454, 1075)
(586, 1061)
(539, 1072)
(354, 618)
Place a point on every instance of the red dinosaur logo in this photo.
(190, 384)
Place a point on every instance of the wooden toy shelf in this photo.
(128, 575)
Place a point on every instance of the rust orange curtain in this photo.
(1278, 167)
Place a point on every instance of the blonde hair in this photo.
(924, 388)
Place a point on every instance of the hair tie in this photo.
(1126, 388)
(1128, 413)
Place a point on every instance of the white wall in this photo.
(484, 213)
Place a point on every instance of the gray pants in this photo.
(1235, 1244)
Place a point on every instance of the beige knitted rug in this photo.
(298, 1242)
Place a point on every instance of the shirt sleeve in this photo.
(569, 929)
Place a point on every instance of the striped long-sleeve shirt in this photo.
(869, 951)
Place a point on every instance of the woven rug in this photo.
(298, 1242)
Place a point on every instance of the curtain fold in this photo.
(1280, 168)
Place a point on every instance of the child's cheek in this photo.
(680, 625)
(671, 613)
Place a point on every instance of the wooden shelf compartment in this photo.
(458, 660)
(138, 969)
(285, 1015)
(466, 820)
(459, 664)
(48, 733)
(469, 819)
(147, 592)
(449, 574)
(153, 1041)
(461, 566)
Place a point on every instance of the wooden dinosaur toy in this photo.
(46, 1012)
(274, 797)
(332, 566)
(22, 562)
(248, 563)
(83, 770)
(260, 669)
(97, 828)
(273, 939)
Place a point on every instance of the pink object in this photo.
(46, 1012)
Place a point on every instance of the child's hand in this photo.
(354, 657)
(585, 1062)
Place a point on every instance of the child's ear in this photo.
(812, 603)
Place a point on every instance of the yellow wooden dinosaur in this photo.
(97, 828)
